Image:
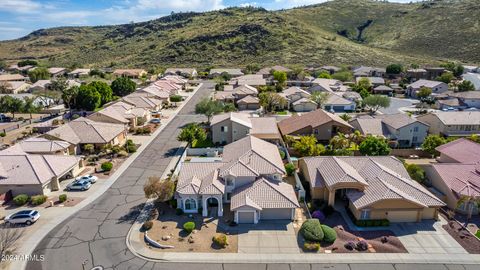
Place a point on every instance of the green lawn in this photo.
(282, 113)
(202, 144)
(478, 234)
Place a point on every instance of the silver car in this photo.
(91, 178)
(79, 185)
(23, 217)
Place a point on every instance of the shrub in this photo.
(175, 98)
(21, 199)
(189, 226)
(220, 240)
(311, 230)
(130, 146)
(362, 245)
(122, 153)
(62, 197)
(179, 211)
(107, 166)
(2, 134)
(38, 199)
(290, 168)
(329, 234)
(350, 245)
(309, 246)
(318, 215)
(147, 225)
(282, 154)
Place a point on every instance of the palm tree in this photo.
(340, 141)
(356, 137)
(470, 202)
(320, 98)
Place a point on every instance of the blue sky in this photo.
(20, 17)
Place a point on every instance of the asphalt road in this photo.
(396, 104)
(96, 234)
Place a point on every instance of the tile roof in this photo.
(249, 100)
(473, 78)
(313, 119)
(12, 77)
(152, 91)
(199, 178)
(129, 72)
(55, 70)
(231, 71)
(386, 178)
(334, 99)
(373, 80)
(139, 101)
(304, 100)
(466, 95)
(458, 117)
(40, 145)
(293, 91)
(264, 194)
(250, 79)
(245, 89)
(424, 83)
(370, 126)
(264, 125)
(237, 117)
(462, 150)
(83, 130)
(224, 95)
(463, 179)
(26, 169)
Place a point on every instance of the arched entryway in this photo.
(212, 206)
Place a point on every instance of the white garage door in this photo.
(402, 216)
(269, 214)
(246, 217)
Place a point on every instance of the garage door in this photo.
(402, 216)
(246, 217)
(269, 214)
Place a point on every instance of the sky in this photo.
(20, 17)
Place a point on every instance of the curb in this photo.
(30, 244)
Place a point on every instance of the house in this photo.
(176, 80)
(224, 96)
(234, 72)
(336, 103)
(248, 103)
(293, 94)
(130, 73)
(304, 105)
(373, 187)
(82, 131)
(457, 174)
(121, 113)
(249, 177)
(243, 91)
(57, 71)
(352, 96)
(12, 77)
(184, 72)
(327, 85)
(229, 127)
(143, 102)
(249, 79)
(42, 146)
(415, 74)
(469, 99)
(452, 123)
(470, 69)
(369, 72)
(474, 78)
(397, 88)
(404, 130)
(41, 85)
(152, 91)
(375, 81)
(15, 87)
(171, 87)
(435, 86)
(448, 104)
(331, 69)
(434, 72)
(22, 173)
(323, 125)
(268, 71)
(382, 90)
(79, 72)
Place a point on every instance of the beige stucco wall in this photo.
(235, 132)
(396, 211)
(437, 182)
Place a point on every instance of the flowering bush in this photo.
(318, 215)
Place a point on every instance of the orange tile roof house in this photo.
(375, 187)
(323, 125)
(457, 173)
(249, 177)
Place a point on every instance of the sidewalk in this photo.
(29, 244)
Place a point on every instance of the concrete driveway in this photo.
(427, 237)
(397, 104)
(272, 237)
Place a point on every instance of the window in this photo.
(190, 204)
(224, 128)
(229, 196)
(229, 181)
(414, 139)
(365, 214)
(415, 129)
(315, 131)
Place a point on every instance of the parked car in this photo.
(23, 217)
(155, 121)
(79, 185)
(88, 177)
(4, 118)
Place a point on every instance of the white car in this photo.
(79, 185)
(23, 217)
(91, 178)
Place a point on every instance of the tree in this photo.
(375, 102)
(11, 105)
(27, 62)
(324, 75)
(192, 132)
(364, 93)
(456, 69)
(416, 172)
(424, 92)
(39, 73)
(469, 202)
(339, 141)
(272, 101)
(320, 98)
(8, 239)
(374, 146)
(29, 106)
(343, 76)
(3, 65)
(466, 86)
(123, 86)
(208, 108)
(252, 68)
(162, 190)
(394, 69)
(446, 77)
(431, 142)
(59, 85)
(69, 96)
(88, 98)
(363, 83)
(280, 77)
(106, 94)
(307, 146)
(345, 117)
(229, 107)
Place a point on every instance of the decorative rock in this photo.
(166, 237)
(194, 231)
(191, 240)
(164, 227)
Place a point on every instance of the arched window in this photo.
(190, 204)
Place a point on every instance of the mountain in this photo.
(337, 32)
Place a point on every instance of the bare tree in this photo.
(9, 235)
(162, 190)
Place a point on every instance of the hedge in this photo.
(107, 166)
(189, 226)
(312, 231)
(329, 234)
(21, 199)
(38, 199)
(62, 197)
